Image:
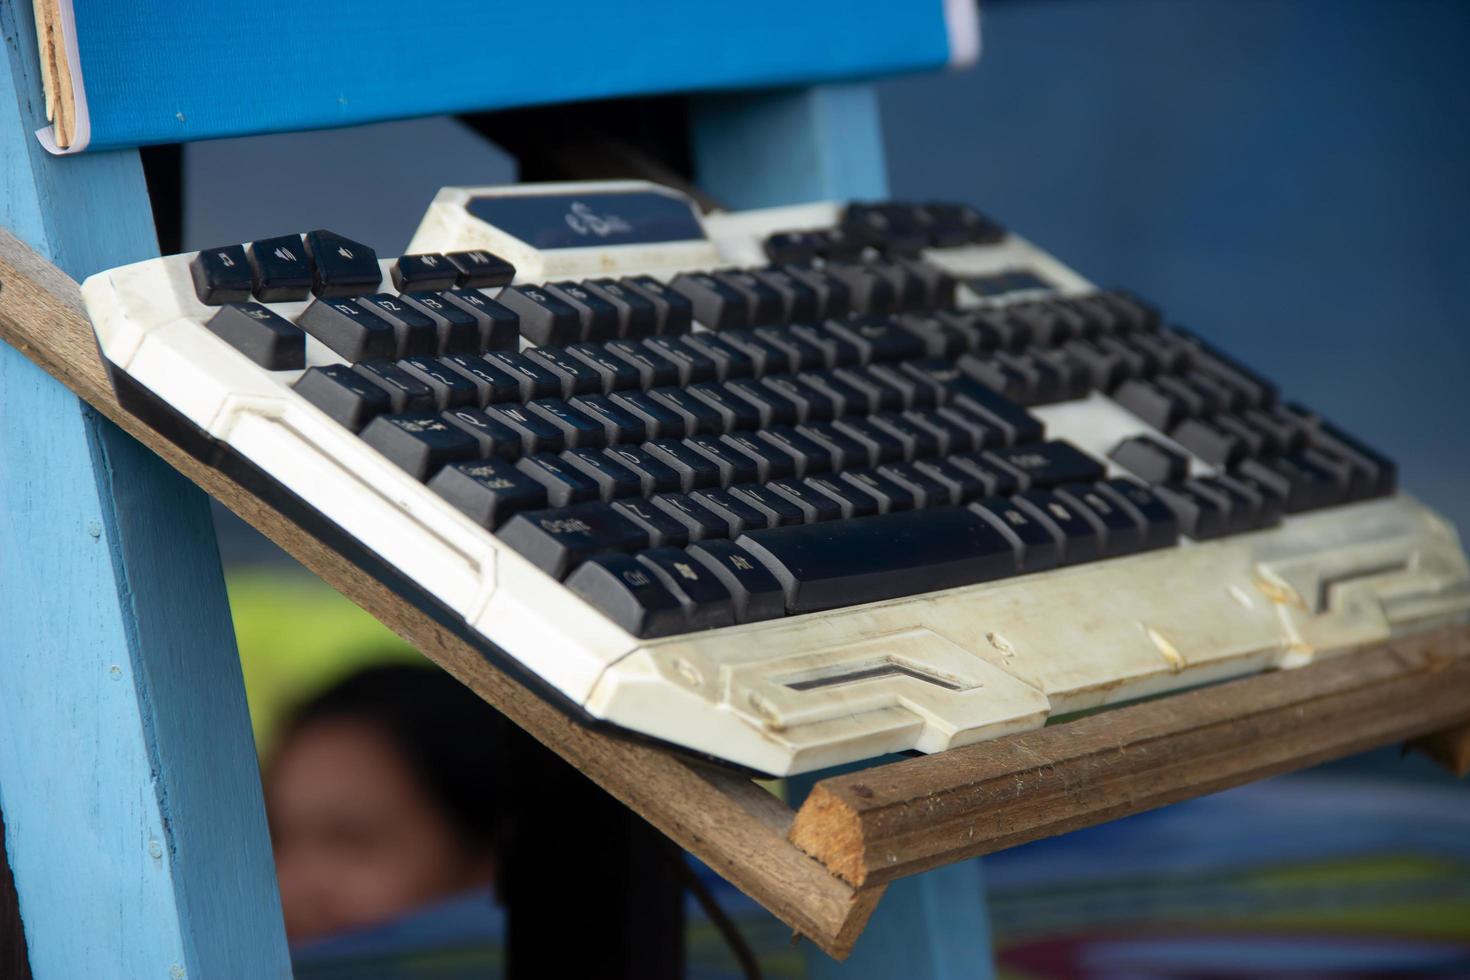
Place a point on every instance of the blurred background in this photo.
(1292, 180)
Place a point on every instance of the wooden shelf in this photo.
(822, 870)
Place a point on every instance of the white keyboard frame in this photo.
(1003, 656)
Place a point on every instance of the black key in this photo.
(535, 380)
(1074, 378)
(877, 339)
(842, 449)
(716, 304)
(756, 593)
(457, 331)
(1105, 369)
(619, 424)
(772, 408)
(271, 341)
(881, 446)
(697, 519)
(577, 378)
(1081, 539)
(917, 441)
(1271, 506)
(658, 525)
(1010, 421)
(629, 594)
(346, 396)
(695, 469)
(340, 266)
(672, 310)
(927, 491)
(417, 333)
(614, 373)
(798, 299)
(811, 405)
(913, 392)
(763, 303)
(1256, 441)
(845, 399)
(779, 511)
(801, 354)
(814, 506)
(1150, 460)
(426, 271)
(500, 327)
(495, 438)
(836, 351)
(660, 421)
(938, 285)
(891, 227)
(693, 367)
(1210, 442)
(1160, 527)
(707, 603)
(1243, 502)
(612, 478)
(545, 319)
(878, 396)
(1190, 399)
(1034, 545)
(537, 435)
(998, 482)
(654, 475)
(1296, 479)
(909, 291)
(221, 275)
(637, 316)
(734, 465)
(730, 362)
(561, 538)
(564, 483)
(1201, 512)
(770, 462)
(963, 485)
(939, 339)
(808, 457)
(1000, 376)
(355, 333)
(764, 356)
(1120, 533)
(1044, 465)
(854, 502)
(577, 430)
(599, 317)
(868, 292)
(848, 562)
(280, 269)
(891, 497)
(833, 297)
(419, 443)
(698, 416)
(491, 383)
(734, 412)
(1158, 407)
(949, 435)
(405, 392)
(792, 246)
(959, 224)
(1382, 472)
(479, 269)
(654, 370)
(489, 491)
(738, 514)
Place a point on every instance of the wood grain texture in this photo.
(728, 822)
(875, 826)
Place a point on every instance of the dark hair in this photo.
(453, 741)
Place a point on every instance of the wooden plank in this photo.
(15, 964)
(1450, 748)
(884, 823)
(134, 841)
(731, 824)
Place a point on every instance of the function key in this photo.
(500, 327)
(869, 292)
(269, 340)
(636, 314)
(798, 300)
(952, 225)
(353, 331)
(340, 266)
(280, 269)
(599, 317)
(672, 311)
(221, 275)
(429, 271)
(717, 304)
(793, 246)
(765, 304)
(417, 333)
(546, 320)
(892, 227)
(479, 269)
(458, 332)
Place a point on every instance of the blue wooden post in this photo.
(825, 143)
(134, 822)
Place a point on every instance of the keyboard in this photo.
(783, 488)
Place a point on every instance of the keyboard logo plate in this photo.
(553, 221)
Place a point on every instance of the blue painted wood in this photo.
(780, 147)
(175, 70)
(825, 143)
(134, 822)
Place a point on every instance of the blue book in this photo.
(129, 74)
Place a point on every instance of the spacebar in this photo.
(868, 559)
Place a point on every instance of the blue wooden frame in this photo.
(134, 820)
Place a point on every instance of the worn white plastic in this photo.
(925, 672)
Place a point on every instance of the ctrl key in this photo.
(628, 593)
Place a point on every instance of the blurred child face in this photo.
(357, 839)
